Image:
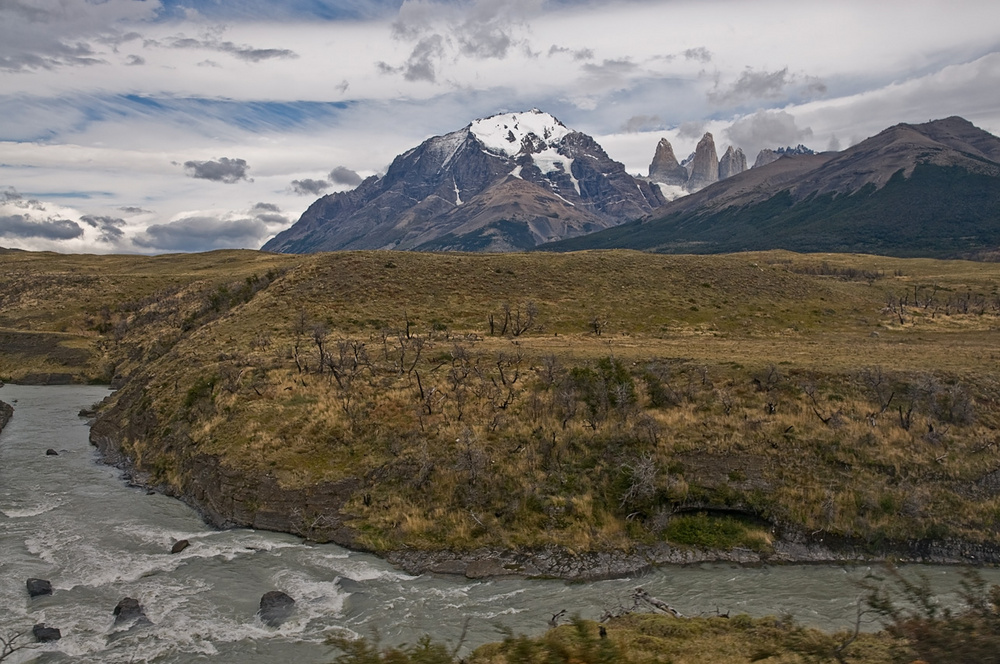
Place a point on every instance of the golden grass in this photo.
(760, 361)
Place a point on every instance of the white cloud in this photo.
(104, 102)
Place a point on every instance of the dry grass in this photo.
(852, 395)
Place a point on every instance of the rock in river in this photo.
(275, 608)
(45, 634)
(129, 609)
(38, 587)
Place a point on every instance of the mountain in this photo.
(929, 189)
(507, 182)
(696, 172)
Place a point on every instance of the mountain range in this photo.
(507, 182)
(519, 181)
(929, 189)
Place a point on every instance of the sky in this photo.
(159, 126)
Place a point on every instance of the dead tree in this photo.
(642, 595)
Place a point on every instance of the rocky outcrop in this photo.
(665, 168)
(705, 167)
(733, 162)
(6, 412)
(765, 157)
(179, 546)
(275, 608)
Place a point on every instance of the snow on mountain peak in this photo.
(505, 133)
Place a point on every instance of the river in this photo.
(75, 522)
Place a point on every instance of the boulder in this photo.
(275, 608)
(51, 452)
(37, 587)
(45, 634)
(179, 546)
(128, 610)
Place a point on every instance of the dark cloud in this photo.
(420, 65)
(110, 227)
(309, 187)
(274, 219)
(19, 226)
(701, 54)
(486, 42)
(130, 209)
(344, 175)
(752, 85)
(243, 52)
(56, 55)
(224, 170)
(581, 54)
(203, 234)
(834, 144)
(134, 60)
(265, 207)
(766, 129)
(386, 68)
(642, 123)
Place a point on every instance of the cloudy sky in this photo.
(157, 126)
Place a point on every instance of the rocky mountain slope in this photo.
(507, 182)
(931, 189)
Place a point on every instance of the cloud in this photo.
(699, 54)
(642, 123)
(609, 74)
(692, 129)
(579, 54)
(19, 226)
(134, 60)
(51, 34)
(344, 175)
(242, 52)
(265, 207)
(752, 85)
(203, 233)
(420, 65)
(225, 170)
(110, 228)
(766, 129)
(309, 187)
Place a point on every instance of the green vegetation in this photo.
(591, 402)
(640, 638)
(906, 217)
(915, 628)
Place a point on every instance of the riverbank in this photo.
(226, 499)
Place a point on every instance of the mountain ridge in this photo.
(931, 189)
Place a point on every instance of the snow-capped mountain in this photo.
(507, 182)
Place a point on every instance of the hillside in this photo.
(642, 405)
(913, 190)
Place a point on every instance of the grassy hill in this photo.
(595, 401)
(937, 211)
